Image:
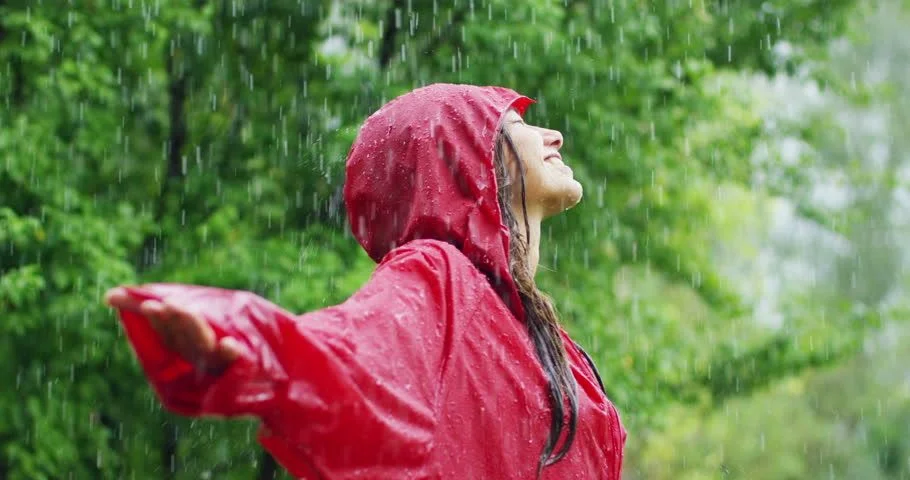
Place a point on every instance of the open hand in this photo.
(181, 331)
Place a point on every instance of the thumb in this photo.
(228, 350)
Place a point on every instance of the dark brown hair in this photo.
(541, 318)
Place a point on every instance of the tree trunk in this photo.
(268, 467)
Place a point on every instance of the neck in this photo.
(534, 220)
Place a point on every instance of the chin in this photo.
(578, 191)
(573, 199)
(572, 193)
(565, 198)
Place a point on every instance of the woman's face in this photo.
(550, 186)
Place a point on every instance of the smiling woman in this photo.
(530, 156)
(449, 362)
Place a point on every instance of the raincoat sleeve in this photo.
(349, 386)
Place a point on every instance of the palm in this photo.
(181, 331)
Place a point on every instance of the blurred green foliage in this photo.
(204, 142)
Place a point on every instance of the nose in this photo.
(552, 138)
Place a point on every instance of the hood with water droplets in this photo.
(422, 168)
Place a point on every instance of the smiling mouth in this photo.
(555, 159)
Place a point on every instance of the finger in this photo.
(175, 326)
(202, 332)
(194, 338)
(160, 319)
(154, 311)
(194, 335)
(151, 308)
(119, 298)
(229, 349)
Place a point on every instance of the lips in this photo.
(555, 159)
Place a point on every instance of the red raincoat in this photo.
(425, 372)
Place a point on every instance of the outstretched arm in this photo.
(203, 349)
(340, 389)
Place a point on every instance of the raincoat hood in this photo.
(422, 168)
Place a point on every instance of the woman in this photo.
(448, 363)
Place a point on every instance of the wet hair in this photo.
(541, 318)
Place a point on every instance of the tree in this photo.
(203, 141)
